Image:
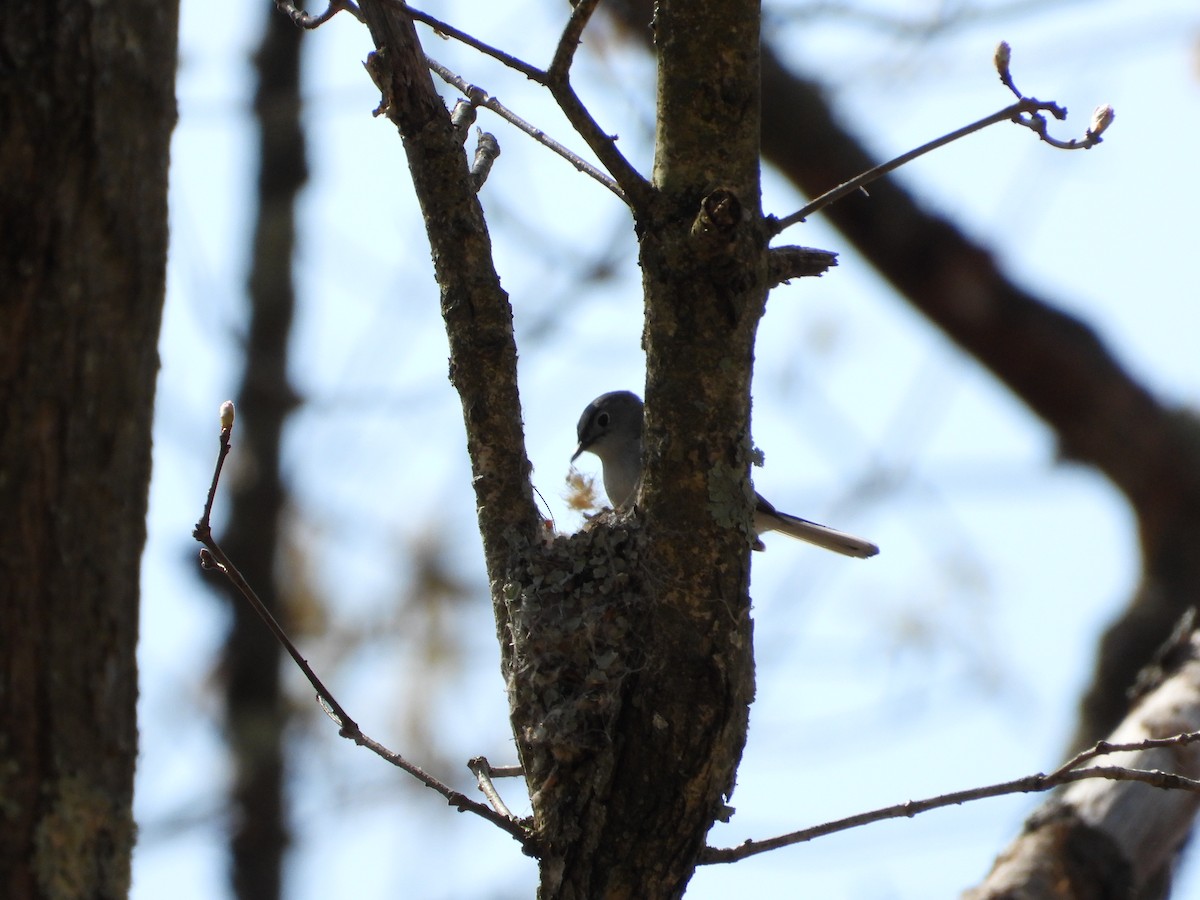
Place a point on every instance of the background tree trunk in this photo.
(257, 712)
(87, 106)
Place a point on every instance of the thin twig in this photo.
(1008, 114)
(304, 20)
(1027, 111)
(1153, 777)
(569, 40)
(558, 79)
(477, 96)
(558, 83)
(213, 557)
(226, 417)
(1103, 748)
(506, 771)
(482, 771)
(533, 73)
(1029, 784)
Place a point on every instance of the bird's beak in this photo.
(578, 452)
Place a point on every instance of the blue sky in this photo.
(952, 660)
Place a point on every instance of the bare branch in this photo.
(213, 557)
(1172, 704)
(1029, 784)
(558, 79)
(516, 771)
(1102, 748)
(477, 96)
(1008, 114)
(1102, 117)
(304, 20)
(568, 42)
(483, 772)
(1027, 111)
(1132, 834)
(445, 29)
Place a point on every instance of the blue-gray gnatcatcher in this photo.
(611, 428)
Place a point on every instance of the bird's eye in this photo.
(602, 420)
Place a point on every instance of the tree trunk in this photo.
(86, 110)
(627, 648)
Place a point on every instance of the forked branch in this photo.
(304, 20)
(478, 97)
(624, 181)
(558, 81)
(1065, 774)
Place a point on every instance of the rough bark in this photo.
(704, 266)
(256, 711)
(87, 106)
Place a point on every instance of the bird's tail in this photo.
(821, 535)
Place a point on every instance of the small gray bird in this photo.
(611, 428)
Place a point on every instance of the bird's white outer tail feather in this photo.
(820, 535)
